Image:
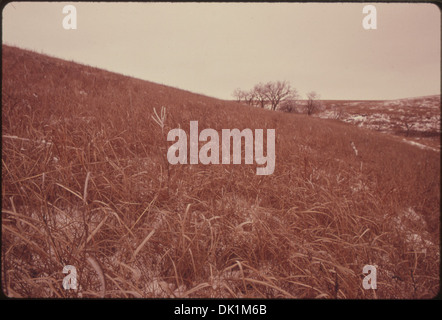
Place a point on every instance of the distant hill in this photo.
(415, 120)
(86, 182)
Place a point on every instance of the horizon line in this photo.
(4, 43)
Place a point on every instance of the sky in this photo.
(214, 48)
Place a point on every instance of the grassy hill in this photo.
(85, 182)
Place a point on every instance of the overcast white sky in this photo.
(213, 48)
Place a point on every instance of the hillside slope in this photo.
(85, 182)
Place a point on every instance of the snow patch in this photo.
(419, 145)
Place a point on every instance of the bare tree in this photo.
(260, 98)
(270, 93)
(276, 92)
(290, 104)
(238, 94)
(249, 97)
(408, 125)
(313, 103)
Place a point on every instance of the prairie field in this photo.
(86, 183)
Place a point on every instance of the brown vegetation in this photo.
(85, 182)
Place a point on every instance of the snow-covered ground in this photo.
(414, 118)
(419, 145)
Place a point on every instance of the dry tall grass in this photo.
(85, 182)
